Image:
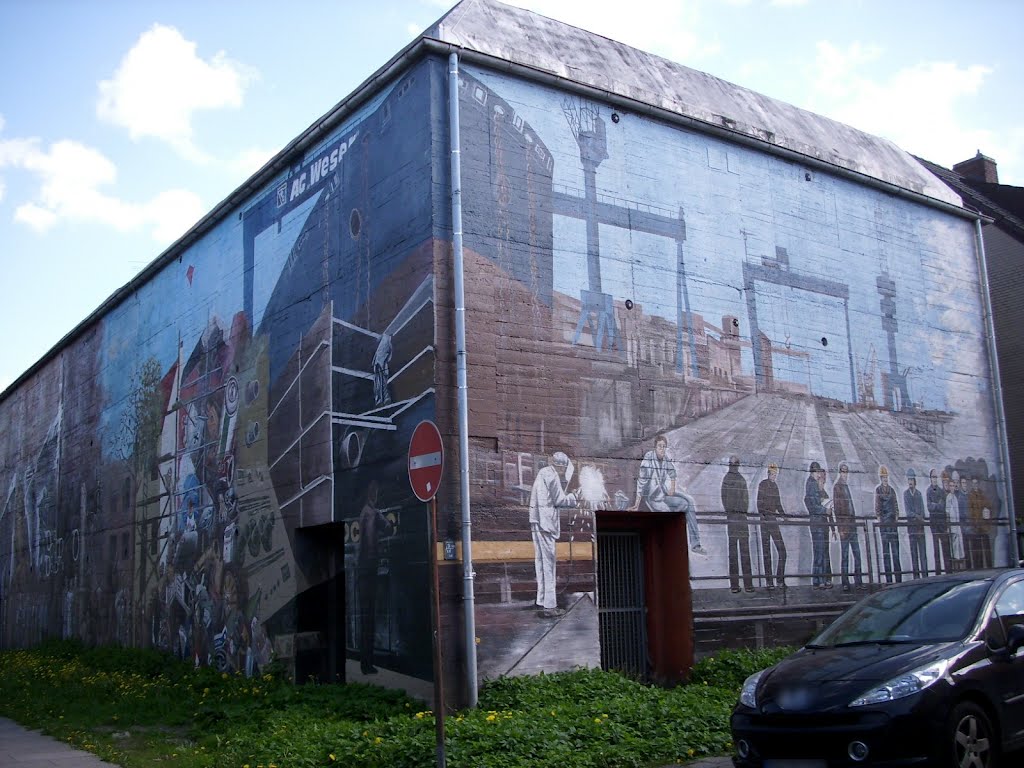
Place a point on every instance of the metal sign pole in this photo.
(436, 621)
(426, 467)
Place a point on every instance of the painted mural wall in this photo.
(665, 323)
(660, 323)
(217, 467)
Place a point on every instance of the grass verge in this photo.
(138, 708)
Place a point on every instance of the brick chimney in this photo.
(978, 168)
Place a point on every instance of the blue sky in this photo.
(122, 123)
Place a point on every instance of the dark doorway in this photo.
(643, 595)
(320, 640)
(320, 609)
(622, 611)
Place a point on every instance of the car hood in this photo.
(823, 678)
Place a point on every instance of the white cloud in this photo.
(18, 152)
(35, 217)
(835, 68)
(924, 108)
(251, 160)
(160, 84)
(171, 213)
(71, 177)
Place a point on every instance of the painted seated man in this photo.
(656, 487)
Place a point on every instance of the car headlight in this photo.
(904, 685)
(748, 695)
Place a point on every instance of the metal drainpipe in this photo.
(990, 339)
(460, 367)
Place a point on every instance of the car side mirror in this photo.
(1015, 638)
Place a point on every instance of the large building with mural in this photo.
(728, 366)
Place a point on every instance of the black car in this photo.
(928, 672)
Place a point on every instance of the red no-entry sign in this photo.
(426, 460)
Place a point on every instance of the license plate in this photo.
(794, 764)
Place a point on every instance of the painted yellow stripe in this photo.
(512, 551)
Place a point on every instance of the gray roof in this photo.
(993, 200)
(539, 43)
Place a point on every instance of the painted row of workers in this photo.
(961, 521)
(967, 543)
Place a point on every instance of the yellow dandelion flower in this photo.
(491, 717)
(378, 740)
(689, 752)
(333, 758)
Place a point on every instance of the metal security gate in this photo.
(620, 596)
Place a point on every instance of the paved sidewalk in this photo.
(22, 748)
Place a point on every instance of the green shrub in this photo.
(200, 718)
(592, 718)
(256, 700)
(546, 690)
(729, 668)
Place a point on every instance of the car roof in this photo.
(995, 575)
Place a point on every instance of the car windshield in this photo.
(913, 613)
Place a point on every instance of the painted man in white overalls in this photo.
(547, 496)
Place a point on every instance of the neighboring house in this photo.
(215, 462)
(977, 182)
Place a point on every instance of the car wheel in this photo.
(970, 739)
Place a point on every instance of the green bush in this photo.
(256, 700)
(163, 710)
(595, 718)
(729, 668)
(546, 690)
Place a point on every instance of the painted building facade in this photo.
(713, 382)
